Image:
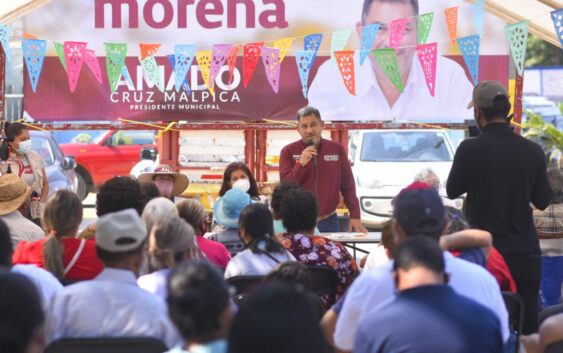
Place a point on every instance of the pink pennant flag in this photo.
(232, 61)
(427, 54)
(397, 30)
(74, 58)
(271, 59)
(220, 53)
(92, 61)
(345, 61)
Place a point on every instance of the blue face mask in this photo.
(25, 146)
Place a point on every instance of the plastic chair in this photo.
(107, 345)
(549, 311)
(324, 280)
(244, 284)
(515, 307)
(556, 347)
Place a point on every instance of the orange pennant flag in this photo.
(29, 36)
(148, 49)
(451, 19)
(345, 62)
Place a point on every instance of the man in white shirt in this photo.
(376, 97)
(14, 207)
(112, 305)
(417, 212)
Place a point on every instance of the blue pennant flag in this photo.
(469, 46)
(368, 36)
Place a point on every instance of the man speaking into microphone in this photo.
(322, 167)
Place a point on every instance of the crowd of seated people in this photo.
(150, 268)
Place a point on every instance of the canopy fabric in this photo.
(538, 12)
(14, 9)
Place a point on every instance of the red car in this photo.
(113, 153)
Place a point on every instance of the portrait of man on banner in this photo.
(377, 98)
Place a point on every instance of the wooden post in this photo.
(261, 175)
(169, 148)
(518, 103)
(249, 150)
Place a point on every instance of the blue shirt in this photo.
(430, 319)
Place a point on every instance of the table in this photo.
(351, 239)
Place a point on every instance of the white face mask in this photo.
(243, 184)
(25, 146)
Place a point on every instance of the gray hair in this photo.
(367, 6)
(427, 175)
(192, 211)
(173, 238)
(306, 111)
(157, 209)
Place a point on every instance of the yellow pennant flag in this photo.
(204, 61)
(283, 45)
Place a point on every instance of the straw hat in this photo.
(180, 180)
(13, 192)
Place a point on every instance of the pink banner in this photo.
(271, 60)
(232, 61)
(74, 58)
(397, 30)
(92, 61)
(427, 54)
(220, 53)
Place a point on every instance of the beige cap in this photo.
(120, 231)
(485, 92)
(13, 192)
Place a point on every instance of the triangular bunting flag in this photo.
(479, 15)
(60, 53)
(115, 61)
(148, 50)
(424, 26)
(272, 61)
(92, 61)
(304, 60)
(232, 61)
(150, 67)
(345, 62)
(557, 17)
(312, 43)
(34, 53)
(220, 53)
(387, 60)
(5, 41)
(184, 82)
(368, 36)
(451, 20)
(339, 39)
(74, 58)
(29, 36)
(427, 54)
(126, 76)
(203, 59)
(183, 58)
(397, 29)
(283, 44)
(517, 34)
(249, 61)
(469, 46)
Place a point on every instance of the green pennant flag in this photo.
(517, 34)
(387, 60)
(150, 67)
(61, 53)
(424, 26)
(115, 59)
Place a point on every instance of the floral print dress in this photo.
(316, 250)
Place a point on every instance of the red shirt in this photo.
(216, 252)
(87, 266)
(498, 268)
(335, 175)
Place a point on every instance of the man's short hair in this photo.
(119, 193)
(420, 212)
(419, 251)
(500, 109)
(306, 111)
(367, 6)
(299, 211)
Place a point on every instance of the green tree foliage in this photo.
(546, 135)
(542, 53)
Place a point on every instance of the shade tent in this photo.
(538, 11)
(13, 9)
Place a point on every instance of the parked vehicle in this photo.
(112, 153)
(59, 168)
(548, 110)
(386, 161)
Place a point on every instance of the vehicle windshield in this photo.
(404, 146)
(41, 145)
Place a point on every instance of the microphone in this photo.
(312, 143)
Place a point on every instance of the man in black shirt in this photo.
(502, 173)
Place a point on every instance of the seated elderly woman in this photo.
(171, 241)
(263, 252)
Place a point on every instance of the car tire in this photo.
(82, 190)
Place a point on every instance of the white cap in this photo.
(120, 231)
